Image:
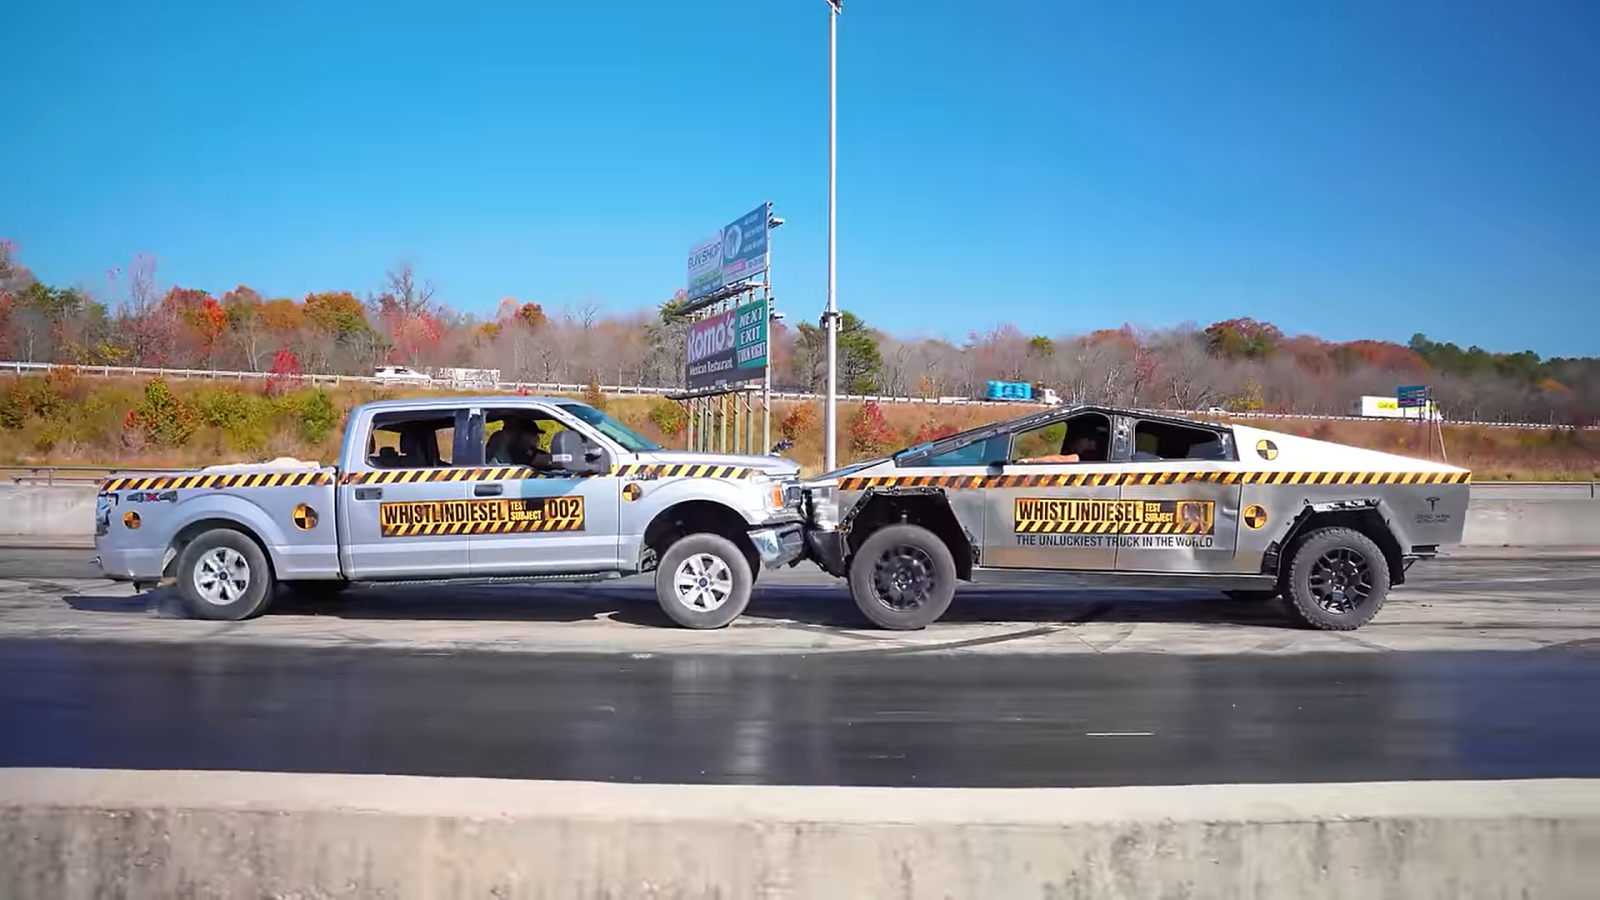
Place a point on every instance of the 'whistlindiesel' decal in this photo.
(1134, 524)
(429, 517)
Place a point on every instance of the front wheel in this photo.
(1337, 580)
(703, 581)
(903, 578)
(222, 574)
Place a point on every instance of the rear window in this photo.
(414, 441)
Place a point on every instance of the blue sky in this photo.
(1352, 168)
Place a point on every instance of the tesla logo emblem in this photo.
(1433, 503)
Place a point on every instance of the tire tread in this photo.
(1298, 560)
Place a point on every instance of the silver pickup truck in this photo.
(479, 488)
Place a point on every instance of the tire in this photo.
(1337, 580)
(922, 559)
(1252, 596)
(221, 551)
(715, 578)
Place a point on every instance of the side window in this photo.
(519, 437)
(1085, 437)
(412, 440)
(1162, 440)
(977, 453)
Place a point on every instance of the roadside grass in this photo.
(62, 419)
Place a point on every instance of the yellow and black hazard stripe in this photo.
(420, 529)
(1134, 479)
(683, 471)
(417, 476)
(1048, 526)
(516, 473)
(217, 482)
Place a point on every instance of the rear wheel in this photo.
(1337, 580)
(222, 574)
(903, 578)
(703, 581)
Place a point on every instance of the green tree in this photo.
(859, 358)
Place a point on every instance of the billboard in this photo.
(737, 252)
(728, 348)
(1412, 396)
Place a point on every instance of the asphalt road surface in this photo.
(1510, 602)
(955, 721)
(1479, 668)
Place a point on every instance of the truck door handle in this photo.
(487, 490)
(369, 493)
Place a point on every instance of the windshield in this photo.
(631, 441)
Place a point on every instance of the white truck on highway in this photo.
(447, 489)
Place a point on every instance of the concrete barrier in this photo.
(82, 834)
(1500, 515)
(51, 511)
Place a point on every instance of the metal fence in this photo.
(509, 387)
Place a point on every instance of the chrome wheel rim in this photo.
(222, 576)
(903, 578)
(703, 582)
(1341, 581)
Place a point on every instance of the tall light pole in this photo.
(830, 416)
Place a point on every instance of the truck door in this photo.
(1054, 502)
(561, 520)
(1185, 507)
(399, 503)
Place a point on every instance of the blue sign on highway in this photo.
(1412, 396)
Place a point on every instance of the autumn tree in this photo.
(202, 321)
(246, 328)
(406, 311)
(336, 320)
(1243, 339)
(148, 331)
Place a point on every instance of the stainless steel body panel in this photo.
(1256, 487)
(1211, 548)
(1007, 546)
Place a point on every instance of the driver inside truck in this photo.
(1083, 443)
(511, 445)
(517, 443)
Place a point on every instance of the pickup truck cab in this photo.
(446, 489)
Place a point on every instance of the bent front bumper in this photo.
(779, 545)
(828, 549)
